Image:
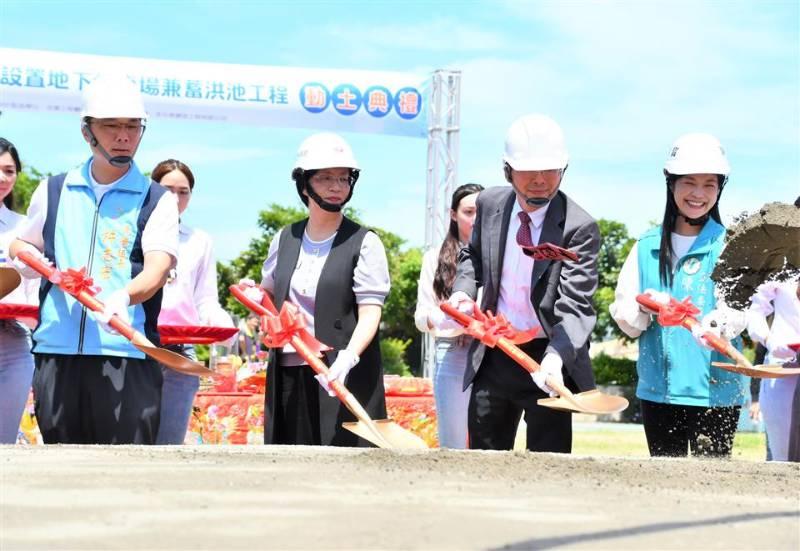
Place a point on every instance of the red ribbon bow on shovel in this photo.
(74, 281)
(489, 328)
(674, 313)
(289, 322)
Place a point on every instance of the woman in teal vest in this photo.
(335, 271)
(686, 402)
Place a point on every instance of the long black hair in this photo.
(8, 147)
(671, 213)
(448, 254)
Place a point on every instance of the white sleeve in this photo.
(625, 310)
(161, 231)
(426, 300)
(761, 303)
(371, 283)
(206, 296)
(271, 262)
(31, 230)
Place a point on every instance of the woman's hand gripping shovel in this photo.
(77, 284)
(676, 313)
(384, 433)
(496, 331)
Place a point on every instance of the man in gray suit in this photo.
(555, 295)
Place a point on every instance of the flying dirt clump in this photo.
(764, 246)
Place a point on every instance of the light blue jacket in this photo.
(672, 367)
(104, 237)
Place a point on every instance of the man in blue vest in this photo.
(91, 385)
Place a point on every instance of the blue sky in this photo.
(624, 79)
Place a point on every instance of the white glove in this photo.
(462, 302)
(697, 332)
(218, 317)
(23, 269)
(658, 296)
(782, 352)
(550, 367)
(757, 326)
(252, 291)
(725, 322)
(116, 304)
(341, 366)
(442, 322)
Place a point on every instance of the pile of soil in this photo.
(764, 246)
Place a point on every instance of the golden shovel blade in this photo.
(760, 371)
(591, 401)
(9, 280)
(171, 359)
(391, 435)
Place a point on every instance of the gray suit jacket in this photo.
(561, 292)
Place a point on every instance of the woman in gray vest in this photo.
(335, 271)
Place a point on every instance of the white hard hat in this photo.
(325, 150)
(113, 97)
(697, 153)
(535, 142)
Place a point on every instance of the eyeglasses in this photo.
(327, 181)
(113, 126)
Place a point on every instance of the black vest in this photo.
(335, 319)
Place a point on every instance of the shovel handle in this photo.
(84, 297)
(515, 353)
(721, 345)
(267, 308)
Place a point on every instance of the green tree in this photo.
(616, 244)
(27, 180)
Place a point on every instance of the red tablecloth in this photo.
(238, 418)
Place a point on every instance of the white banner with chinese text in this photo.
(353, 101)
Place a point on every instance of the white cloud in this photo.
(199, 155)
(433, 36)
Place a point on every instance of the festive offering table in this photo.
(238, 417)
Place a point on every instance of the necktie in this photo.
(524, 232)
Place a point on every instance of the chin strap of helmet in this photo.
(119, 161)
(301, 178)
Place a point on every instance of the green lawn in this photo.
(747, 446)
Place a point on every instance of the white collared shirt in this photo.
(190, 295)
(514, 301)
(427, 301)
(27, 292)
(779, 297)
(158, 234)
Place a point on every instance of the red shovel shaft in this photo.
(83, 297)
(717, 343)
(502, 343)
(267, 308)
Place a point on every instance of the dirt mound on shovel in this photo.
(763, 246)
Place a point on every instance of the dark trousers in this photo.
(671, 429)
(297, 411)
(97, 399)
(501, 391)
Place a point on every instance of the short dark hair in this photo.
(8, 147)
(165, 167)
